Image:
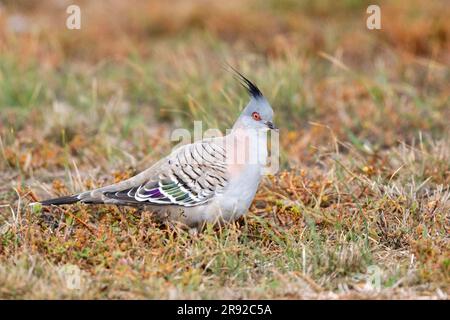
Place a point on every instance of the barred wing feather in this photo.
(190, 176)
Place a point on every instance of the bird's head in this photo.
(258, 113)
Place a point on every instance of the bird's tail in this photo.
(61, 200)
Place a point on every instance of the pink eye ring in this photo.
(256, 116)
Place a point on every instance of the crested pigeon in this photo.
(211, 180)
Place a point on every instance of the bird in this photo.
(213, 180)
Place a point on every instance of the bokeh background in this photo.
(364, 117)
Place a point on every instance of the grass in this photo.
(363, 192)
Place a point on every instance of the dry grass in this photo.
(365, 147)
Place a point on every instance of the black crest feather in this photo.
(252, 89)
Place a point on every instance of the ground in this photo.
(360, 206)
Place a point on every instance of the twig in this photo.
(78, 219)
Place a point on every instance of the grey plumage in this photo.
(197, 182)
(190, 176)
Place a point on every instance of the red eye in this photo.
(256, 116)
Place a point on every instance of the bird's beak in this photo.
(271, 126)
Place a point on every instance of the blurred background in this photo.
(142, 63)
(364, 117)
